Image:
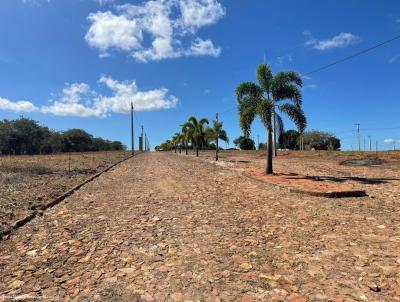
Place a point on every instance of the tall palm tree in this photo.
(196, 128)
(216, 133)
(282, 92)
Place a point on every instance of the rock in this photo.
(246, 266)
(374, 287)
(296, 298)
(32, 253)
(128, 271)
(16, 284)
(247, 299)
(177, 297)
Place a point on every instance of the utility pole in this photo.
(132, 134)
(258, 141)
(364, 143)
(358, 137)
(370, 144)
(141, 145)
(217, 139)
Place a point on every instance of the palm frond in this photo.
(223, 136)
(247, 115)
(264, 77)
(265, 111)
(193, 121)
(279, 125)
(248, 92)
(296, 114)
(286, 85)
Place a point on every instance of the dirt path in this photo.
(162, 227)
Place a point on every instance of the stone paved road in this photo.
(164, 227)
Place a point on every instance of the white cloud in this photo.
(126, 92)
(196, 14)
(203, 48)
(394, 59)
(79, 99)
(109, 31)
(391, 141)
(285, 58)
(156, 30)
(339, 41)
(104, 2)
(19, 106)
(305, 77)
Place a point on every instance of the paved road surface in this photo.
(162, 227)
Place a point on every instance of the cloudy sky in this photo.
(79, 63)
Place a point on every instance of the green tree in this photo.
(214, 134)
(244, 143)
(281, 92)
(77, 140)
(197, 130)
(320, 140)
(117, 146)
(289, 140)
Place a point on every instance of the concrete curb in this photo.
(57, 200)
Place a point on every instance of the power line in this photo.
(359, 53)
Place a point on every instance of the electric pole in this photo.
(217, 138)
(258, 141)
(370, 144)
(132, 134)
(141, 138)
(358, 137)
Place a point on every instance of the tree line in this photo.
(292, 140)
(26, 136)
(196, 134)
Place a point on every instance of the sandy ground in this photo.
(165, 227)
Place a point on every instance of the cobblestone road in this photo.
(163, 227)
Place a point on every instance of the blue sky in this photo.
(78, 63)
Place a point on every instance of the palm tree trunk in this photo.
(197, 151)
(275, 149)
(216, 149)
(186, 149)
(180, 149)
(175, 149)
(269, 153)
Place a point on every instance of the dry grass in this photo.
(27, 182)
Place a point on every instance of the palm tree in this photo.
(180, 141)
(186, 136)
(281, 92)
(175, 140)
(196, 130)
(216, 133)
